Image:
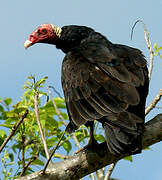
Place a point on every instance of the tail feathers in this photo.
(119, 141)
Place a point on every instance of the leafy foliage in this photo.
(27, 142)
(5, 164)
(157, 50)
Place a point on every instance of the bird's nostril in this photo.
(31, 38)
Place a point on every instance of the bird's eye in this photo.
(44, 30)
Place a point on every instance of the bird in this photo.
(102, 81)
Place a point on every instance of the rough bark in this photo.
(86, 162)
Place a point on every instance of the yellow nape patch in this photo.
(57, 30)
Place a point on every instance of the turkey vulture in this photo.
(101, 81)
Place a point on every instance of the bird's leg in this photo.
(92, 143)
(92, 140)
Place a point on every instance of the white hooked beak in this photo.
(27, 44)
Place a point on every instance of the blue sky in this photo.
(113, 19)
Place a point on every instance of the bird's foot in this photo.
(92, 145)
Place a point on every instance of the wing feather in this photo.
(102, 82)
(75, 115)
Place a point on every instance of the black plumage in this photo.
(102, 81)
(105, 82)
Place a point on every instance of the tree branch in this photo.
(14, 128)
(149, 45)
(28, 164)
(86, 162)
(39, 123)
(23, 151)
(109, 172)
(53, 152)
(154, 102)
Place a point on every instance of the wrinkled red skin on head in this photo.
(43, 34)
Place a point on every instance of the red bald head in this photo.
(45, 33)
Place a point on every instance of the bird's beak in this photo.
(27, 44)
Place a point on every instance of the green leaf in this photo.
(2, 133)
(38, 162)
(51, 123)
(11, 156)
(80, 135)
(6, 125)
(20, 109)
(59, 100)
(65, 116)
(62, 106)
(17, 146)
(43, 93)
(12, 114)
(3, 115)
(43, 123)
(60, 156)
(11, 163)
(40, 82)
(147, 148)
(10, 120)
(100, 137)
(6, 155)
(52, 141)
(155, 46)
(67, 146)
(160, 48)
(128, 158)
(1, 108)
(35, 127)
(31, 76)
(7, 101)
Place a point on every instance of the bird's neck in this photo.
(71, 36)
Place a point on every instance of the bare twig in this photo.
(27, 165)
(76, 141)
(154, 102)
(100, 174)
(14, 128)
(23, 151)
(36, 95)
(109, 172)
(62, 156)
(56, 108)
(67, 138)
(149, 45)
(53, 152)
(59, 95)
(92, 176)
